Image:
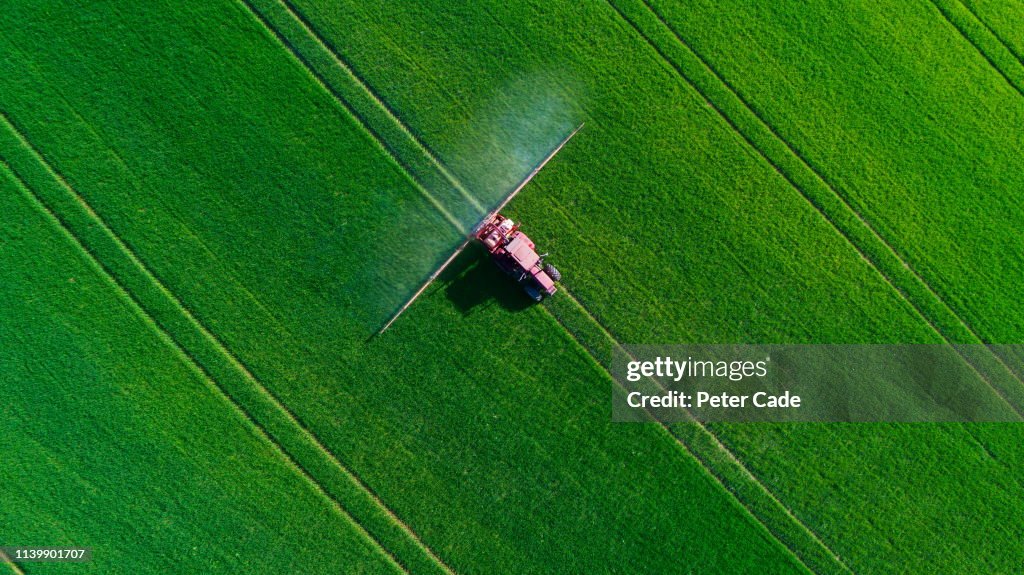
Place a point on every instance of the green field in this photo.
(210, 207)
(116, 441)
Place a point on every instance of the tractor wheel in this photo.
(553, 272)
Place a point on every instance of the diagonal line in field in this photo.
(194, 363)
(721, 447)
(14, 566)
(322, 42)
(367, 115)
(1014, 473)
(846, 235)
(388, 150)
(993, 32)
(209, 337)
(818, 175)
(946, 9)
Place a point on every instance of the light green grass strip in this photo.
(809, 182)
(325, 64)
(701, 443)
(11, 566)
(985, 41)
(265, 411)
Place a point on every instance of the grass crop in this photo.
(995, 51)
(1004, 19)
(115, 442)
(280, 224)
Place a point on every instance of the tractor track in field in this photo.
(292, 13)
(995, 34)
(818, 174)
(1014, 473)
(361, 82)
(10, 563)
(844, 203)
(992, 456)
(964, 426)
(380, 142)
(948, 8)
(262, 391)
(704, 462)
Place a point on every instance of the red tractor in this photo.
(510, 248)
(514, 253)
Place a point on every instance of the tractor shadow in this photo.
(474, 282)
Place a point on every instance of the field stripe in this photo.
(335, 55)
(312, 52)
(984, 40)
(459, 222)
(11, 564)
(994, 32)
(1014, 473)
(203, 349)
(809, 182)
(704, 445)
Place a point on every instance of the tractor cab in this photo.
(516, 255)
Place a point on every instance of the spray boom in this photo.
(490, 217)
